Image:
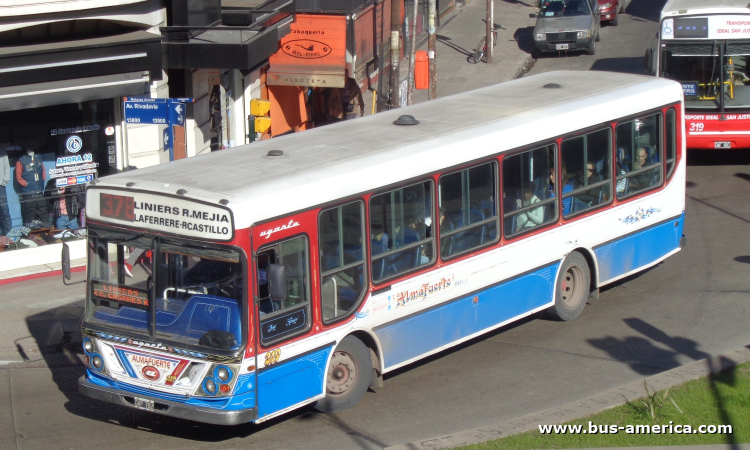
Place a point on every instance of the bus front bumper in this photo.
(166, 407)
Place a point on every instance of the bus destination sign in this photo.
(710, 27)
(161, 213)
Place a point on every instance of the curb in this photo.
(47, 272)
(588, 406)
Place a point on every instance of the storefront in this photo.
(310, 63)
(61, 122)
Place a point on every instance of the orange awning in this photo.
(312, 54)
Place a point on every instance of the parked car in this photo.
(609, 10)
(567, 25)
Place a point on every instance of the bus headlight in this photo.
(88, 346)
(219, 380)
(97, 363)
(540, 36)
(584, 34)
(209, 386)
(223, 373)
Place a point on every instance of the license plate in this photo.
(142, 403)
(723, 144)
(561, 46)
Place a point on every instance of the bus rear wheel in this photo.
(572, 288)
(348, 377)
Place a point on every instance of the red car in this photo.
(609, 11)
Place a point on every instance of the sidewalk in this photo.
(457, 38)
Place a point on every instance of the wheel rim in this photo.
(571, 287)
(342, 374)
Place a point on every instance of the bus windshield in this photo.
(198, 289)
(714, 75)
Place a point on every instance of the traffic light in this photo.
(258, 121)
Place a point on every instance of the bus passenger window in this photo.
(586, 162)
(528, 191)
(341, 232)
(638, 155)
(468, 216)
(293, 255)
(401, 237)
(671, 142)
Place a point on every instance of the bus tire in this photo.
(348, 377)
(571, 289)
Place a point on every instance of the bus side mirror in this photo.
(648, 59)
(277, 282)
(65, 259)
(65, 262)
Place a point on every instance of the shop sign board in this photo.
(312, 54)
(160, 213)
(78, 165)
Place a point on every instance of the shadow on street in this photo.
(646, 358)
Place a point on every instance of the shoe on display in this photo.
(63, 234)
(128, 270)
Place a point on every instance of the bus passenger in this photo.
(597, 195)
(644, 179)
(532, 218)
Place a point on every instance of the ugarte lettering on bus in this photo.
(269, 232)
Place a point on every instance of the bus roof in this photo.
(352, 157)
(703, 7)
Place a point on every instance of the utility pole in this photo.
(490, 14)
(432, 66)
(412, 53)
(395, 50)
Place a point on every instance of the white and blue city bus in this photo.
(240, 285)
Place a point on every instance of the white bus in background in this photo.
(301, 269)
(705, 45)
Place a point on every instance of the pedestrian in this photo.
(352, 92)
(335, 100)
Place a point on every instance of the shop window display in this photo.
(47, 156)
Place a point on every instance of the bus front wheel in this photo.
(348, 377)
(572, 288)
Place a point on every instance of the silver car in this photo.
(563, 25)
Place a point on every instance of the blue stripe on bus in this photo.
(292, 382)
(424, 332)
(639, 249)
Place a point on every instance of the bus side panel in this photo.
(244, 393)
(292, 381)
(639, 249)
(438, 327)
